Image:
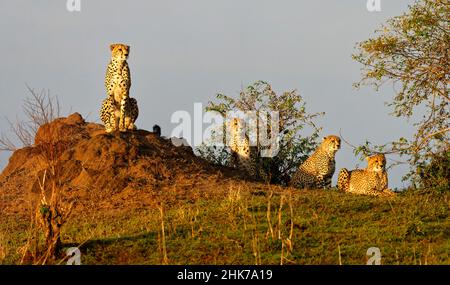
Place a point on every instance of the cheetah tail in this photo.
(343, 180)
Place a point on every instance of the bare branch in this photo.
(39, 109)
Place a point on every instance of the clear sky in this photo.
(186, 51)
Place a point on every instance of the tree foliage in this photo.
(294, 147)
(412, 52)
(435, 174)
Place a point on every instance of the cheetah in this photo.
(118, 111)
(317, 171)
(243, 156)
(370, 181)
(121, 116)
(118, 78)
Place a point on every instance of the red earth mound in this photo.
(95, 167)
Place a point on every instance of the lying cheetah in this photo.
(370, 181)
(318, 169)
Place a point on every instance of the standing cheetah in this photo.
(118, 111)
(318, 169)
(370, 181)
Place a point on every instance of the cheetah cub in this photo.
(370, 181)
(317, 171)
(118, 111)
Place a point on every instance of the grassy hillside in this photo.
(250, 223)
(141, 200)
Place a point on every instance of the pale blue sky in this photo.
(186, 51)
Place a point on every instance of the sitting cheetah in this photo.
(318, 169)
(118, 111)
(243, 156)
(370, 181)
(121, 116)
(118, 78)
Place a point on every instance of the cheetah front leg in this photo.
(115, 119)
(128, 114)
(322, 182)
(110, 124)
(122, 116)
(327, 181)
(129, 125)
(107, 115)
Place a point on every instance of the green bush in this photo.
(436, 173)
(294, 146)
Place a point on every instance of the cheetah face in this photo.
(331, 144)
(376, 162)
(235, 122)
(119, 51)
(235, 125)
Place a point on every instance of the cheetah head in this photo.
(376, 162)
(119, 51)
(235, 125)
(331, 144)
(236, 128)
(235, 122)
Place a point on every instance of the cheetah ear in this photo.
(324, 138)
(112, 46)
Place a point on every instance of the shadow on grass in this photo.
(121, 241)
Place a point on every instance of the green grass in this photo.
(231, 226)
